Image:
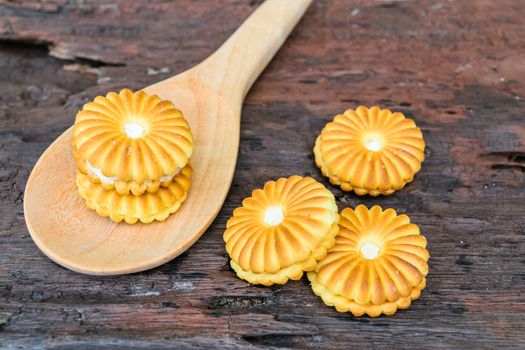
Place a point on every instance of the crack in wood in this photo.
(233, 303)
(71, 57)
(506, 160)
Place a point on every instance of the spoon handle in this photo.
(235, 66)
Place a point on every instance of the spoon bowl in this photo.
(210, 96)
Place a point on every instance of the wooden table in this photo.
(456, 67)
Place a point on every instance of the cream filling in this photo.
(373, 145)
(273, 216)
(133, 130)
(110, 180)
(369, 250)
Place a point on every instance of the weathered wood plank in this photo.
(455, 67)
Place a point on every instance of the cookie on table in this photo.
(131, 208)
(370, 151)
(377, 265)
(131, 142)
(281, 230)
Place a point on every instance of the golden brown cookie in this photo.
(131, 142)
(377, 265)
(130, 208)
(281, 230)
(370, 151)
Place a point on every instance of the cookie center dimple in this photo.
(133, 130)
(373, 145)
(369, 250)
(273, 216)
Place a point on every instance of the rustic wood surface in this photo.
(456, 67)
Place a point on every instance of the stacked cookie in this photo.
(133, 156)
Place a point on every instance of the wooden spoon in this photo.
(211, 96)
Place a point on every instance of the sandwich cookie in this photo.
(131, 142)
(370, 151)
(130, 208)
(377, 265)
(281, 230)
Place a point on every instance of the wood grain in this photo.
(210, 95)
(455, 67)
